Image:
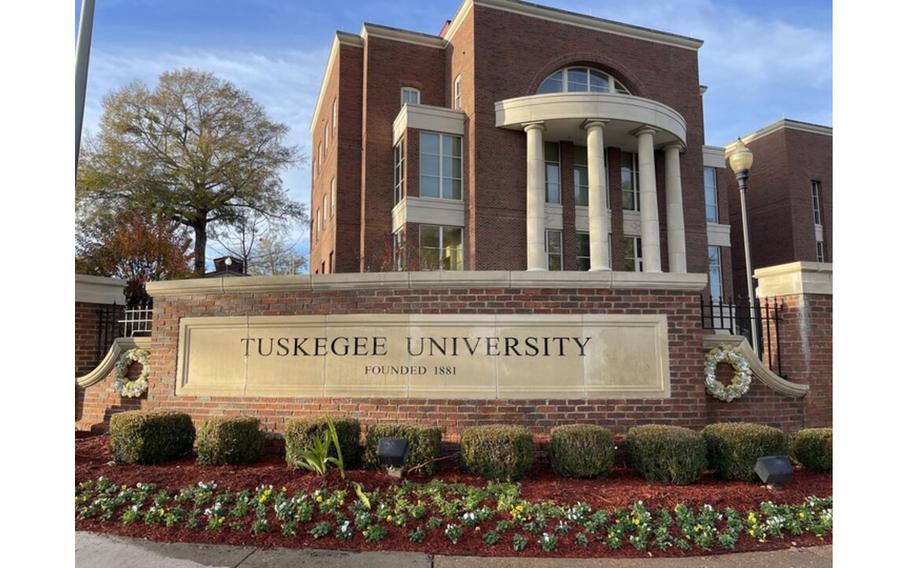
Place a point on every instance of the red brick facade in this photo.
(688, 405)
(779, 199)
(494, 63)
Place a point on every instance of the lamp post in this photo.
(740, 160)
(83, 47)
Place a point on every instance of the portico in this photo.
(600, 119)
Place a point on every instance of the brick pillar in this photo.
(93, 293)
(804, 291)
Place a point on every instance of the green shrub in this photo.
(150, 436)
(498, 451)
(734, 447)
(581, 450)
(813, 448)
(666, 454)
(423, 445)
(300, 433)
(229, 440)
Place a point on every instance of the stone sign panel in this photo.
(516, 356)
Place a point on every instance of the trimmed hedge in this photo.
(300, 432)
(498, 451)
(229, 440)
(666, 454)
(734, 447)
(423, 445)
(150, 436)
(813, 448)
(581, 450)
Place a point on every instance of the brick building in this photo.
(520, 138)
(789, 198)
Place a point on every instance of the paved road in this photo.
(107, 551)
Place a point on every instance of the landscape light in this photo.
(392, 453)
(775, 471)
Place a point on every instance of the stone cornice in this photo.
(422, 280)
(795, 278)
(99, 289)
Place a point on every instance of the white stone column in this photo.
(536, 228)
(676, 225)
(647, 190)
(597, 197)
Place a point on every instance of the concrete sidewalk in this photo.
(108, 551)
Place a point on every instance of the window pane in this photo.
(554, 263)
(582, 244)
(429, 186)
(429, 236)
(620, 88)
(451, 167)
(429, 143)
(551, 152)
(711, 195)
(552, 183)
(580, 155)
(451, 146)
(429, 164)
(600, 82)
(581, 186)
(578, 80)
(554, 241)
(451, 188)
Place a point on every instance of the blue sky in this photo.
(762, 60)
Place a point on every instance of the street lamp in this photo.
(740, 160)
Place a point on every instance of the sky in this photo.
(761, 60)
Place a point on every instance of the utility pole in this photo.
(83, 47)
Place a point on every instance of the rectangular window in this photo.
(551, 171)
(715, 276)
(554, 249)
(816, 202)
(325, 209)
(398, 161)
(440, 247)
(410, 96)
(629, 181)
(711, 211)
(334, 197)
(820, 251)
(632, 254)
(316, 224)
(456, 93)
(583, 251)
(331, 262)
(580, 173)
(334, 118)
(398, 249)
(440, 165)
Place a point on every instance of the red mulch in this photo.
(621, 489)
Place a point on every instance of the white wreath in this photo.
(137, 386)
(742, 376)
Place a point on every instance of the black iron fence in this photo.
(118, 321)
(736, 318)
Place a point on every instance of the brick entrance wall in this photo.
(688, 405)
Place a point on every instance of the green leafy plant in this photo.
(301, 432)
(813, 448)
(666, 454)
(733, 448)
(498, 451)
(581, 450)
(150, 436)
(317, 457)
(423, 445)
(229, 440)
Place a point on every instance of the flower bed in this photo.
(267, 504)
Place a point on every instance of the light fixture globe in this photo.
(740, 158)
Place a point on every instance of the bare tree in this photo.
(266, 245)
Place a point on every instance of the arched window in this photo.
(581, 80)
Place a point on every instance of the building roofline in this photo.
(399, 34)
(575, 19)
(340, 38)
(782, 124)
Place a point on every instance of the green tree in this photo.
(196, 150)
